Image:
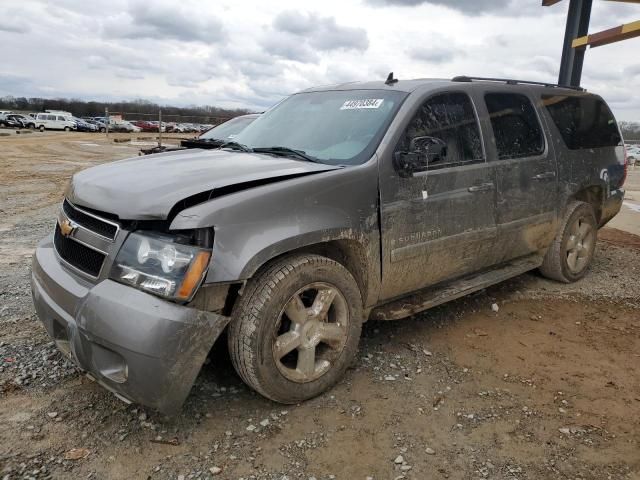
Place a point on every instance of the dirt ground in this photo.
(547, 387)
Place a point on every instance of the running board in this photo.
(432, 296)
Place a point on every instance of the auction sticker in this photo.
(364, 103)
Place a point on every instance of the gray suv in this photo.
(340, 204)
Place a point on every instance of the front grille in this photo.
(81, 257)
(89, 222)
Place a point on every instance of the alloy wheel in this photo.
(311, 332)
(580, 244)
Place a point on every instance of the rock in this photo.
(495, 307)
(399, 459)
(251, 428)
(390, 378)
(565, 430)
(215, 470)
(52, 414)
(76, 454)
(429, 451)
(405, 468)
(264, 422)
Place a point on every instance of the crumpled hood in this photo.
(147, 187)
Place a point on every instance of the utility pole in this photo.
(160, 128)
(106, 119)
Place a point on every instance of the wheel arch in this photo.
(350, 253)
(593, 195)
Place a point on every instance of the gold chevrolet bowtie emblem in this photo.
(67, 228)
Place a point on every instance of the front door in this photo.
(526, 176)
(439, 220)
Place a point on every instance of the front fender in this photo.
(255, 225)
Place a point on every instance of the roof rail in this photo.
(509, 81)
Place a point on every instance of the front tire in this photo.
(67, 129)
(41, 128)
(296, 328)
(573, 249)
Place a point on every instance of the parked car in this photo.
(25, 121)
(54, 122)
(213, 138)
(100, 126)
(633, 154)
(84, 126)
(342, 203)
(9, 121)
(147, 126)
(124, 126)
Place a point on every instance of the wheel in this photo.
(31, 126)
(572, 251)
(295, 329)
(103, 129)
(41, 128)
(67, 129)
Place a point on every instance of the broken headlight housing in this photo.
(158, 264)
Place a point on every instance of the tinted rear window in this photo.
(583, 121)
(515, 125)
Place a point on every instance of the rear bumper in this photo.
(612, 205)
(144, 349)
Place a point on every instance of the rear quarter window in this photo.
(583, 121)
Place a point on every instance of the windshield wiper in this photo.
(236, 146)
(287, 151)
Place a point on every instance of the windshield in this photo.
(227, 130)
(335, 127)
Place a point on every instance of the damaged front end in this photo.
(118, 304)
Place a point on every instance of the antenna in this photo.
(390, 80)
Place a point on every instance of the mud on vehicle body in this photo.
(342, 203)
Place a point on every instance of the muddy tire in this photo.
(572, 251)
(67, 129)
(41, 128)
(296, 328)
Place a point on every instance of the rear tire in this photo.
(296, 328)
(572, 251)
(67, 129)
(41, 128)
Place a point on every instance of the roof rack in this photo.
(509, 81)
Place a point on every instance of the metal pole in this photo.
(160, 128)
(572, 58)
(106, 120)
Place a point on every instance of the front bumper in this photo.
(144, 349)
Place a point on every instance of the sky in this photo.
(252, 53)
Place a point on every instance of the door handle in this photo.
(483, 187)
(544, 176)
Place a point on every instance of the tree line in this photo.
(135, 109)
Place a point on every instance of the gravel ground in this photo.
(529, 379)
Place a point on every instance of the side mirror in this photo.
(423, 151)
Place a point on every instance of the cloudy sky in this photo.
(251, 53)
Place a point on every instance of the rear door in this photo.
(437, 223)
(526, 174)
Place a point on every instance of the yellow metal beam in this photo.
(605, 37)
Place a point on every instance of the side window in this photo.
(62, 119)
(51, 117)
(583, 121)
(515, 125)
(445, 129)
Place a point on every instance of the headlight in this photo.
(158, 265)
